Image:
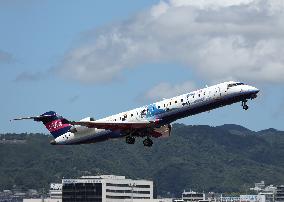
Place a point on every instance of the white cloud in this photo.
(217, 39)
(209, 4)
(159, 9)
(166, 90)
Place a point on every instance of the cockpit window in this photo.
(234, 84)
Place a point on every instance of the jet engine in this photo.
(82, 129)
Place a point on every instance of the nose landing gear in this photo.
(244, 105)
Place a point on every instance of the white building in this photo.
(229, 199)
(106, 188)
(134, 200)
(193, 196)
(259, 186)
(42, 200)
(279, 197)
(269, 193)
(55, 191)
(252, 198)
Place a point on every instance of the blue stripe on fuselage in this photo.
(153, 111)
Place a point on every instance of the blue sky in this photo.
(97, 58)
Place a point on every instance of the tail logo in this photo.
(55, 125)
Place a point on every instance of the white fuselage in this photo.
(165, 111)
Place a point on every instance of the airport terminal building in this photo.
(105, 188)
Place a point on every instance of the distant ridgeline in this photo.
(228, 158)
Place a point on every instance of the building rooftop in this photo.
(114, 177)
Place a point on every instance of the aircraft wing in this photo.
(114, 125)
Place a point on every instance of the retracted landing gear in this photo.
(244, 105)
(148, 142)
(130, 140)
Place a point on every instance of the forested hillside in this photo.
(223, 159)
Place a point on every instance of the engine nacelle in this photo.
(88, 119)
(163, 131)
(82, 129)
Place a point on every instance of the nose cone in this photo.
(53, 142)
(255, 90)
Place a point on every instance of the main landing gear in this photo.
(130, 140)
(148, 142)
(244, 105)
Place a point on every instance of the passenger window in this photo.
(158, 107)
(181, 100)
(176, 101)
(198, 95)
(164, 105)
(131, 115)
(124, 117)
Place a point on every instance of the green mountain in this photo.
(226, 158)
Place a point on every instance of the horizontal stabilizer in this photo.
(55, 124)
(35, 118)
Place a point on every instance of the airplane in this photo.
(150, 121)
